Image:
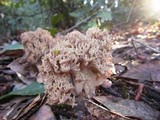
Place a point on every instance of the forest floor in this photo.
(134, 94)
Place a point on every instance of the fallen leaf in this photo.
(126, 53)
(99, 113)
(15, 49)
(81, 110)
(44, 113)
(19, 67)
(128, 108)
(119, 69)
(26, 72)
(32, 89)
(31, 108)
(12, 108)
(21, 107)
(148, 71)
(125, 56)
(15, 46)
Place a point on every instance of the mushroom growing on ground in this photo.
(36, 44)
(73, 66)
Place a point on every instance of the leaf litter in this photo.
(128, 108)
(13, 49)
(137, 79)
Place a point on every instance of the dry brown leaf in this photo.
(11, 109)
(129, 108)
(44, 113)
(25, 71)
(148, 71)
(101, 113)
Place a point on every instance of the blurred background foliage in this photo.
(59, 15)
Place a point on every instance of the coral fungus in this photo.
(37, 44)
(74, 65)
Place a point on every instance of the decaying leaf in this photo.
(11, 109)
(44, 113)
(20, 108)
(15, 49)
(128, 108)
(149, 71)
(94, 110)
(31, 108)
(26, 72)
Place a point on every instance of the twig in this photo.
(136, 82)
(139, 91)
(138, 41)
(78, 24)
(98, 105)
(129, 15)
(135, 47)
(108, 110)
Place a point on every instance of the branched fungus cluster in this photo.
(70, 65)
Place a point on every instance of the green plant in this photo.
(59, 15)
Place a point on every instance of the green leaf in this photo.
(55, 19)
(32, 89)
(53, 31)
(16, 46)
(75, 14)
(105, 16)
(78, 13)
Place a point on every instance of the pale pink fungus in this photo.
(74, 65)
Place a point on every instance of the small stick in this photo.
(108, 110)
(139, 91)
(153, 49)
(134, 47)
(129, 15)
(78, 24)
